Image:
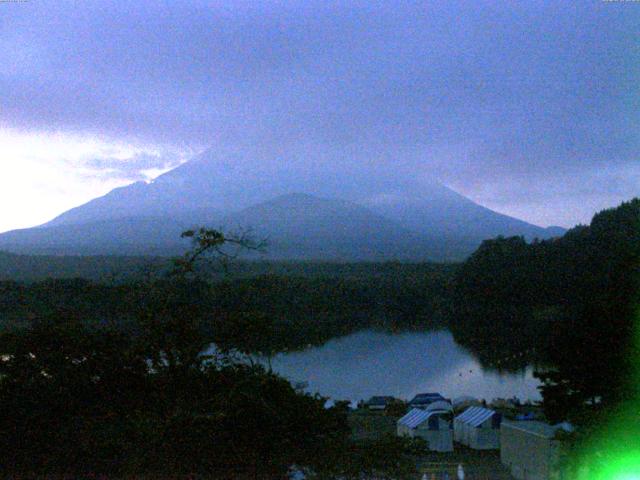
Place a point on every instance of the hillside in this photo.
(352, 217)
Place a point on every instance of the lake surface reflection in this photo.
(375, 363)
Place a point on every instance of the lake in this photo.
(369, 363)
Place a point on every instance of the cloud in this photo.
(479, 94)
(45, 173)
(138, 167)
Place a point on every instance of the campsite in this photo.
(504, 439)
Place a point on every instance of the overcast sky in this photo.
(531, 108)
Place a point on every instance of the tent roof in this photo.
(380, 400)
(415, 417)
(540, 429)
(426, 398)
(475, 416)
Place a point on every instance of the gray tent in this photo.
(529, 448)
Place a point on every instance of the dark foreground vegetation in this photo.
(109, 376)
(113, 380)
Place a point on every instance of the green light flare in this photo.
(614, 452)
(625, 467)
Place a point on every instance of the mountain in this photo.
(344, 214)
(443, 212)
(301, 226)
(295, 227)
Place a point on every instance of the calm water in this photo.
(374, 363)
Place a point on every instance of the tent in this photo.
(478, 428)
(530, 449)
(434, 426)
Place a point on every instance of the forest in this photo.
(572, 306)
(300, 305)
(571, 297)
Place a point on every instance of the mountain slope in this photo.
(295, 226)
(348, 214)
(441, 211)
(301, 226)
(212, 182)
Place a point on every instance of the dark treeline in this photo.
(269, 312)
(566, 298)
(34, 268)
(128, 269)
(303, 311)
(570, 303)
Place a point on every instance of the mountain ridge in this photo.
(313, 215)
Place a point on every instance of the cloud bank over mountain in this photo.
(529, 108)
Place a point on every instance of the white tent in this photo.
(478, 428)
(529, 448)
(434, 426)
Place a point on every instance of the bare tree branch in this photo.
(213, 242)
